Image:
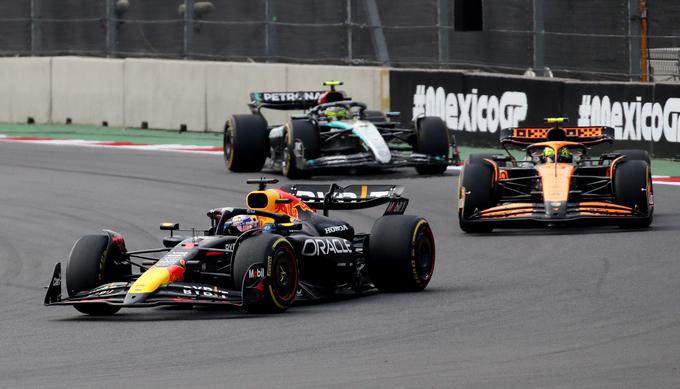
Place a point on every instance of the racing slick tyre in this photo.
(479, 158)
(374, 116)
(476, 191)
(635, 155)
(432, 138)
(245, 143)
(633, 188)
(277, 256)
(401, 253)
(307, 133)
(91, 263)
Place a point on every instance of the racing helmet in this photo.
(565, 155)
(548, 154)
(241, 223)
(335, 113)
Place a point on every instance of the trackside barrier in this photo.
(25, 89)
(476, 106)
(165, 94)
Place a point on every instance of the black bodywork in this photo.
(330, 254)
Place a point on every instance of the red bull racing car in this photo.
(556, 183)
(334, 132)
(263, 258)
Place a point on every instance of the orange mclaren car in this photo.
(556, 182)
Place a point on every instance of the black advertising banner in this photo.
(615, 104)
(506, 102)
(412, 92)
(477, 106)
(666, 108)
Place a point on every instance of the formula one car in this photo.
(335, 132)
(556, 182)
(261, 258)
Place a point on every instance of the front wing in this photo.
(175, 293)
(366, 159)
(532, 214)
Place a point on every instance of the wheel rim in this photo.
(284, 279)
(424, 254)
(228, 149)
(286, 161)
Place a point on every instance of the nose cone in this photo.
(135, 298)
(146, 284)
(555, 209)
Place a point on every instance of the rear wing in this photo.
(334, 197)
(525, 136)
(299, 100)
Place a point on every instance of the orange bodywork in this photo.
(555, 184)
(556, 180)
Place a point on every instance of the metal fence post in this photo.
(539, 29)
(634, 43)
(111, 26)
(442, 31)
(35, 27)
(348, 21)
(188, 26)
(378, 36)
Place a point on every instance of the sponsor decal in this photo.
(256, 273)
(325, 246)
(229, 246)
(471, 112)
(341, 195)
(632, 120)
(205, 291)
(330, 230)
(289, 96)
(56, 282)
(171, 258)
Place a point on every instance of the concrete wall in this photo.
(163, 93)
(25, 85)
(228, 86)
(88, 90)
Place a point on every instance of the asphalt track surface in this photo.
(593, 308)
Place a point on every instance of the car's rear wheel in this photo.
(476, 192)
(432, 138)
(401, 253)
(246, 143)
(635, 155)
(279, 265)
(91, 264)
(307, 133)
(633, 188)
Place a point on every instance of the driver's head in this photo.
(549, 154)
(240, 224)
(335, 113)
(565, 155)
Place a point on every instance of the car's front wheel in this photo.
(633, 188)
(91, 264)
(279, 265)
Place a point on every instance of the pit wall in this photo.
(165, 94)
